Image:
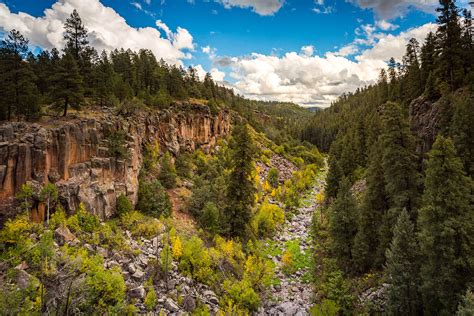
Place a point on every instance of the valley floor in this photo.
(291, 251)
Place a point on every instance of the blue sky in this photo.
(253, 45)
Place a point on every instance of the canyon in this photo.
(74, 153)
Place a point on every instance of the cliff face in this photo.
(74, 154)
(424, 120)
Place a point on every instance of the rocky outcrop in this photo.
(424, 120)
(74, 153)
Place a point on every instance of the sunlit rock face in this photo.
(74, 154)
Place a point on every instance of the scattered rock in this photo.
(23, 279)
(138, 292)
(63, 235)
(138, 275)
(171, 305)
(189, 303)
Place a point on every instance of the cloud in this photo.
(107, 30)
(320, 8)
(385, 25)
(261, 7)
(388, 9)
(216, 74)
(307, 50)
(309, 79)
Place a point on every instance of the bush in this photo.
(274, 177)
(117, 145)
(167, 173)
(141, 225)
(183, 165)
(267, 218)
(241, 294)
(104, 288)
(123, 205)
(83, 221)
(210, 218)
(151, 297)
(195, 261)
(153, 199)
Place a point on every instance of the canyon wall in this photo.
(74, 154)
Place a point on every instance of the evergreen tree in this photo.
(167, 172)
(342, 220)
(75, 35)
(446, 224)
(412, 70)
(402, 269)
(68, 83)
(399, 161)
(400, 171)
(105, 78)
(450, 57)
(428, 57)
(366, 251)
(19, 95)
(461, 130)
(240, 187)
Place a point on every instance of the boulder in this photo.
(171, 305)
(189, 303)
(138, 275)
(63, 235)
(137, 292)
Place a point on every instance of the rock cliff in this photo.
(74, 154)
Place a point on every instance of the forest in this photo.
(363, 208)
(414, 217)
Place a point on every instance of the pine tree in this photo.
(366, 251)
(167, 172)
(68, 85)
(446, 224)
(461, 130)
(75, 35)
(105, 76)
(342, 221)
(450, 57)
(428, 57)
(400, 171)
(399, 161)
(412, 85)
(19, 95)
(240, 187)
(402, 269)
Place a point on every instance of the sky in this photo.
(303, 51)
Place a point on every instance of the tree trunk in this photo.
(65, 106)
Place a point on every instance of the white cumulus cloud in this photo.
(261, 7)
(309, 79)
(388, 9)
(107, 29)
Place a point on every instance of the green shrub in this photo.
(153, 198)
(241, 294)
(210, 218)
(104, 288)
(83, 221)
(151, 297)
(196, 261)
(273, 177)
(123, 205)
(117, 145)
(184, 165)
(267, 218)
(168, 172)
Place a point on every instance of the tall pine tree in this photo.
(342, 221)
(68, 88)
(446, 224)
(402, 269)
(240, 187)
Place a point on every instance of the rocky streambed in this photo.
(293, 292)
